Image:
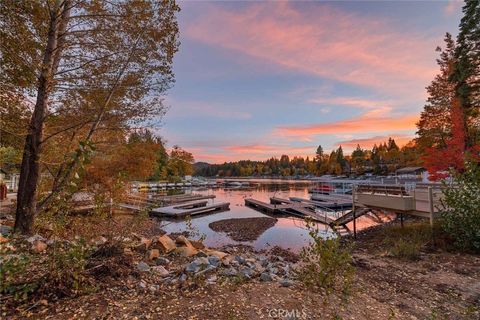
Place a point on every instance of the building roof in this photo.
(410, 170)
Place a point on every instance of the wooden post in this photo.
(354, 220)
(430, 202)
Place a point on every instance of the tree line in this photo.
(382, 159)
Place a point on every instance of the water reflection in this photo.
(288, 232)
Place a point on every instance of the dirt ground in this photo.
(440, 285)
(243, 229)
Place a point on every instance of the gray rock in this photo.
(272, 270)
(263, 261)
(265, 277)
(162, 261)
(247, 272)
(142, 285)
(192, 267)
(182, 278)
(36, 237)
(5, 230)
(143, 267)
(286, 283)
(206, 270)
(161, 270)
(240, 259)
(202, 261)
(214, 261)
(230, 272)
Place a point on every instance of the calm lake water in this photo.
(288, 232)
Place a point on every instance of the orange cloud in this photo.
(367, 143)
(369, 122)
(356, 50)
(269, 150)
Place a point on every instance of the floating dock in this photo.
(331, 203)
(284, 206)
(190, 209)
(180, 198)
(307, 209)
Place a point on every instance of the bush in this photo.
(11, 268)
(461, 214)
(66, 265)
(325, 264)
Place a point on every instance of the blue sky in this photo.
(261, 79)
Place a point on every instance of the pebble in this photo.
(265, 277)
(143, 267)
(240, 259)
(162, 261)
(286, 283)
(161, 271)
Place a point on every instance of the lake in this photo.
(288, 232)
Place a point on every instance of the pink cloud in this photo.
(250, 151)
(367, 143)
(375, 121)
(325, 41)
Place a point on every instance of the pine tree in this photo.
(466, 71)
(434, 127)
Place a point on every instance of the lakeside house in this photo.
(412, 173)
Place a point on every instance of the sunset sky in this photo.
(261, 79)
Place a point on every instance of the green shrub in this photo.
(66, 265)
(461, 215)
(12, 267)
(325, 264)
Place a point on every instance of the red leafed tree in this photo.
(439, 161)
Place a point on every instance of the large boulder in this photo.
(188, 251)
(164, 243)
(183, 241)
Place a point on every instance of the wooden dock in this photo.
(307, 209)
(336, 204)
(285, 206)
(190, 209)
(181, 198)
(140, 202)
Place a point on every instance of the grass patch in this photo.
(408, 242)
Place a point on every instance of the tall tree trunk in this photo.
(30, 169)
